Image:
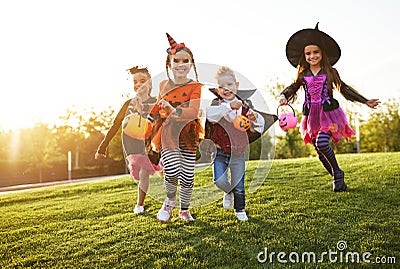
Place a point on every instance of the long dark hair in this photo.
(191, 56)
(326, 68)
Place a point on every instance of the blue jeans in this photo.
(236, 165)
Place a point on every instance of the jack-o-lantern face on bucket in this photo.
(287, 120)
(241, 123)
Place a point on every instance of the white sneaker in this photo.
(165, 213)
(227, 202)
(138, 209)
(185, 215)
(241, 215)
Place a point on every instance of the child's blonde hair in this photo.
(224, 70)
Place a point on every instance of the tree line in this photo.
(40, 152)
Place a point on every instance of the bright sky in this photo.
(59, 54)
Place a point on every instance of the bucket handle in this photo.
(294, 113)
(140, 115)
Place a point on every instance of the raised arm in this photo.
(352, 95)
(102, 149)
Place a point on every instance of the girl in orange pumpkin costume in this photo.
(177, 129)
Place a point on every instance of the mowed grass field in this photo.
(292, 215)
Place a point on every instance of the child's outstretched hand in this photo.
(282, 100)
(373, 103)
(137, 103)
(97, 155)
(163, 104)
(251, 115)
(236, 105)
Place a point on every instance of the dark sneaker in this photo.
(338, 182)
(339, 187)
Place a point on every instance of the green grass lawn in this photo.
(295, 212)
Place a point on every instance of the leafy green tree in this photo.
(265, 144)
(89, 129)
(382, 130)
(96, 127)
(40, 148)
(5, 138)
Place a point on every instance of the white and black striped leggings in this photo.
(179, 165)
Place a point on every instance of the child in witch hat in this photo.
(314, 53)
(133, 142)
(229, 125)
(178, 129)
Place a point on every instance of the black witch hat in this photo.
(299, 40)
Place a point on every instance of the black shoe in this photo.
(339, 186)
(338, 182)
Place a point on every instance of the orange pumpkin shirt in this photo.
(185, 129)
